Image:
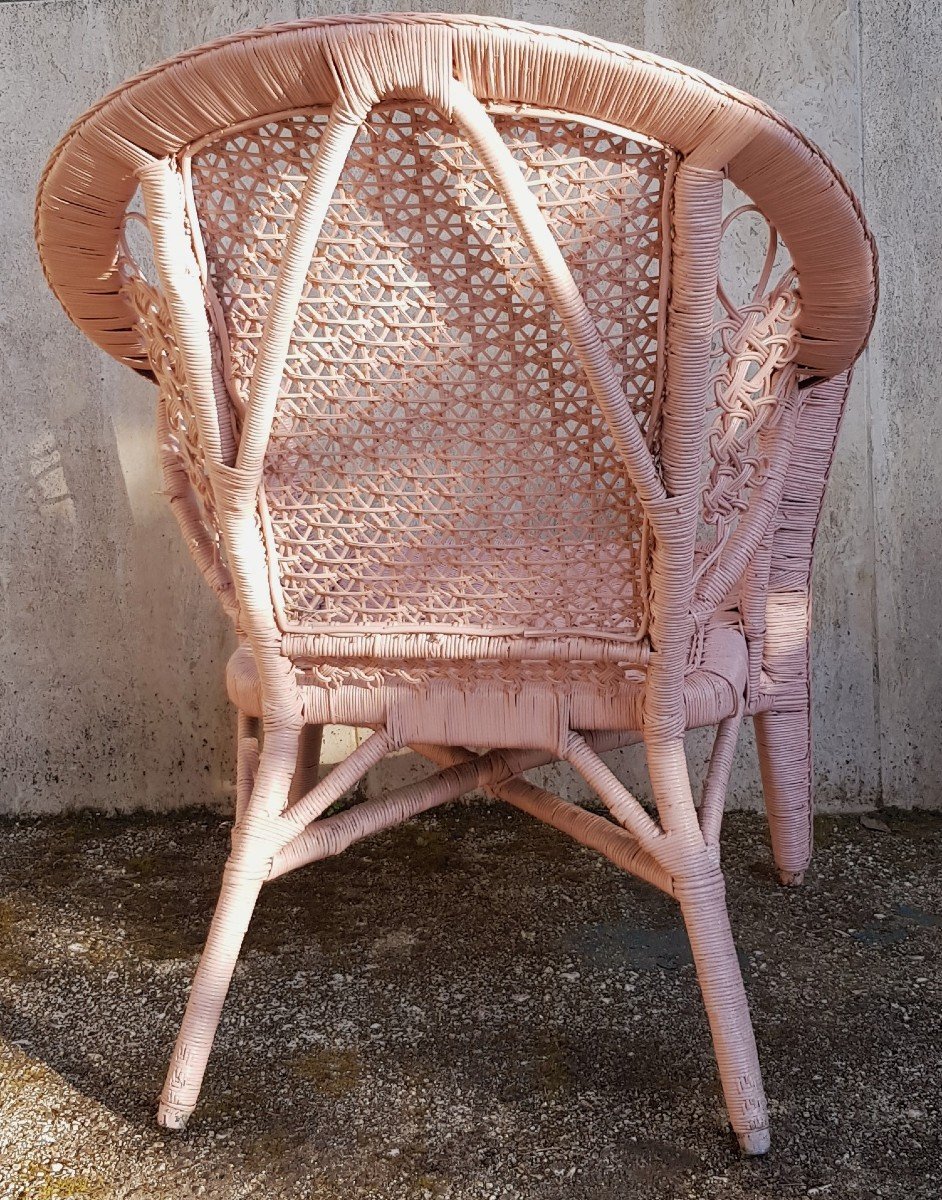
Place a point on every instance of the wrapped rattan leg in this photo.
(703, 903)
(309, 761)
(262, 831)
(717, 780)
(784, 742)
(699, 887)
(783, 728)
(242, 881)
(247, 748)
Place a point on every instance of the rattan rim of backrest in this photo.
(90, 177)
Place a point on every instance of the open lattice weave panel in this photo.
(182, 431)
(436, 456)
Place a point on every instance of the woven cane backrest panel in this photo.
(436, 457)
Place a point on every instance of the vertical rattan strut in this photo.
(470, 442)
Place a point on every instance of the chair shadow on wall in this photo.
(104, 717)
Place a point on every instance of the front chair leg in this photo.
(242, 881)
(701, 892)
(703, 904)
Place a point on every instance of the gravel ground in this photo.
(466, 1007)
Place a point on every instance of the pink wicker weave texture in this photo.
(470, 442)
(477, 485)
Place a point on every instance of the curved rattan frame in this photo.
(91, 176)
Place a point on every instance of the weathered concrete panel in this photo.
(111, 652)
(902, 144)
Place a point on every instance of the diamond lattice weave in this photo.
(436, 455)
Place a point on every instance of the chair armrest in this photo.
(787, 606)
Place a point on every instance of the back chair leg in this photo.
(309, 761)
(784, 743)
(692, 865)
(262, 830)
(247, 751)
(245, 871)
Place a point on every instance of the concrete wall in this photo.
(111, 652)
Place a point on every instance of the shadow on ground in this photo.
(467, 1007)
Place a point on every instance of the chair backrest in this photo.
(461, 322)
(437, 457)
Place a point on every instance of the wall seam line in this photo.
(868, 410)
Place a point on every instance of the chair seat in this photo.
(498, 703)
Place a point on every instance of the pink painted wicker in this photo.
(463, 432)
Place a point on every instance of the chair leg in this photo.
(703, 904)
(247, 868)
(701, 892)
(784, 743)
(242, 881)
(263, 830)
(309, 761)
(247, 751)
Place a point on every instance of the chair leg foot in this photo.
(172, 1116)
(703, 904)
(754, 1142)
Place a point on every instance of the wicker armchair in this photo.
(475, 452)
